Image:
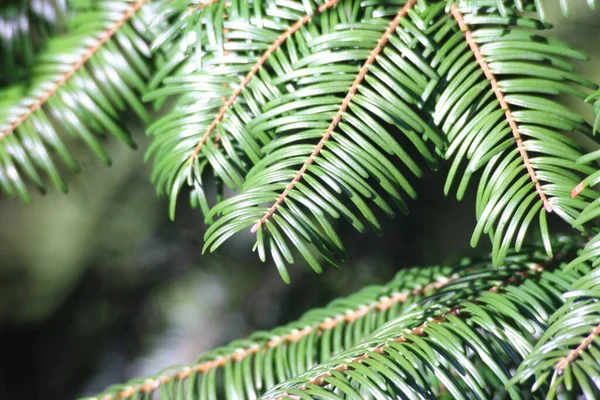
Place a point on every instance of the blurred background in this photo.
(99, 286)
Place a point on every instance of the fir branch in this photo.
(466, 348)
(407, 287)
(418, 331)
(25, 25)
(450, 72)
(332, 134)
(41, 99)
(320, 380)
(500, 96)
(498, 78)
(80, 84)
(253, 70)
(191, 135)
(348, 321)
(338, 116)
(565, 358)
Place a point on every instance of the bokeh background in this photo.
(99, 286)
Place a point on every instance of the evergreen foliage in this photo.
(24, 27)
(454, 348)
(80, 84)
(415, 331)
(575, 362)
(448, 84)
(281, 117)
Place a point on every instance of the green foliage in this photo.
(464, 351)
(210, 58)
(318, 157)
(513, 136)
(24, 27)
(316, 111)
(80, 84)
(351, 132)
(185, 141)
(415, 332)
(247, 368)
(304, 108)
(266, 358)
(568, 352)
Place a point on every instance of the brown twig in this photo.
(576, 353)
(64, 78)
(255, 68)
(501, 99)
(338, 117)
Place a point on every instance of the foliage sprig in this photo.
(81, 85)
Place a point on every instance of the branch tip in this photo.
(577, 189)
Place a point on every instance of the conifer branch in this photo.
(64, 78)
(500, 96)
(295, 335)
(338, 117)
(320, 380)
(418, 331)
(567, 351)
(255, 68)
(422, 84)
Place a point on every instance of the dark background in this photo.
(98, 286)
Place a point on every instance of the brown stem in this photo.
(338, 117)
(64, 78)
(576, 353)
(500, 96)
(238, 355)
(255, 68)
